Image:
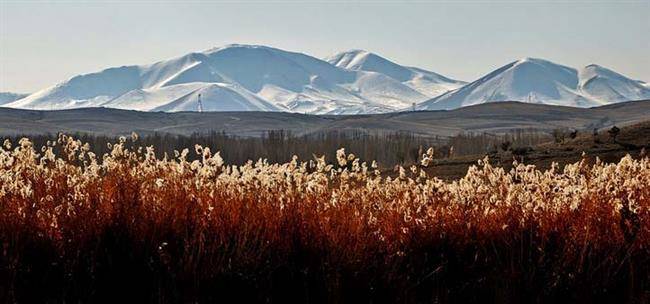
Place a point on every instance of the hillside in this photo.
(491, 117)
(633, 139)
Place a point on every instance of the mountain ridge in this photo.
(537, 80)
(289, 81)
(262, 78)
(426, 82)
(7, 97)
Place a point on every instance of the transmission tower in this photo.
(200, 104)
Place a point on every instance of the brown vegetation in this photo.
(586, 145)
(133, 226)
(278, 146)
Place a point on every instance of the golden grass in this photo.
(338, 230)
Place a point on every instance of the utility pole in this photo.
(200, 104)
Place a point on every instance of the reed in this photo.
(133, 225)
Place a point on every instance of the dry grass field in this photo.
(135, 226)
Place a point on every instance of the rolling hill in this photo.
(491, 117)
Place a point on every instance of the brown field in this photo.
(633, 139)
(499, 117)
(132, 226)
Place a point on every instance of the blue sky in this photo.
(44, 42)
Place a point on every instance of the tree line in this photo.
(387, 149)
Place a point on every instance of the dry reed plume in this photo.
(78, 227)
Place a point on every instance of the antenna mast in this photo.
(200, 104)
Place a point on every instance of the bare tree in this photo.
(613, 132)
(596, 138)
(558, 135)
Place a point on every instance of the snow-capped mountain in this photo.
(259, 78)
(233, 78)
(426, 82)
(7, 97)
(541, 81)
(600, 83)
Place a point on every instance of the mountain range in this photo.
(540, 81)
(7, 97)
(260, 78)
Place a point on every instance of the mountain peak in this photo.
(235, 46)
(595, 70)
(356, 59)
(7, 97)
(531, 59)
(426, 82)
(356, 52)
(534, 60)
(603, 83)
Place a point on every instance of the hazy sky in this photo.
(45, 42)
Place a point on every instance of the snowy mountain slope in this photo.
(281, 80)
(98, 89)
(149, 99)
(600, 83)
(7, 97)
(84, 90)
(426, 82)
(218, 97)
(288, 79)
(541, 81)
